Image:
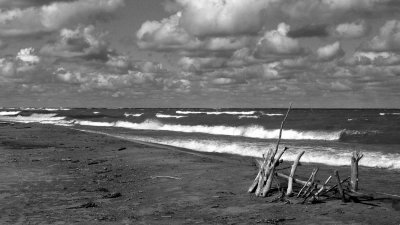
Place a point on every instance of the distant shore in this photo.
(57, 175)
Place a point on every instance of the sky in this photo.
(200, 53)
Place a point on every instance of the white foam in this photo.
(160, 115)
(272, 114)
(133, 114)
(323, 155)
(9, 113)
(96, 113)
(93, 124)
(244, 131)
(188, 112)
(217, 113)
(248, 117)
(384, 114)
(50, 118)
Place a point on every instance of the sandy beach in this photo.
(57, 175)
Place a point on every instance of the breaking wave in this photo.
(160, 115)
(50, 118)
(323, 155)
(248, 117)
(133, 114)
(273, 114)
(217, 113)
(244, 131)
(393, 114)
(9, 113)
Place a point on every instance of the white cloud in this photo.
(7, 67)
(52, 17)
(388, 38)
(375, 58)
(81, 42)
(166, 34)
(220, 17)
(28, 55)
(199, 64)
(330, 52)
(351, 30)
(276, 42)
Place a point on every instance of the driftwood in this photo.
(263, 181)
(271, 175)
(356, 157)
(289, 190)
(323, 187)
(309, 182)
(312, 188)
(339, 185)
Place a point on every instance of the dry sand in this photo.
(56, 175)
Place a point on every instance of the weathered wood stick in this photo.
(302, 182)
(289, 190)
(312, 181)
(355, 158)
(271, 174)
(339, 185)
(307, 195)
(323, 187)
(280, 130)
(261, 166)
(264, 173)
(334, 186)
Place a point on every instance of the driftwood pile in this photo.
(312, 190)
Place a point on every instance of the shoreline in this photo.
(58, 175)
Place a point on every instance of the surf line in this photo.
(160, 146)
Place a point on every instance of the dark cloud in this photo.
(313, 30)
(9, 4)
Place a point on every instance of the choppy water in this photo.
(327, 135)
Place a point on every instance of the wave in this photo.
(133, 114)
(273, 114)
(9, 113)
(96, 113)
(160, 115)
(50, 118)
(248, 117)
(393, 114)
(55, 109)
(244, 131)
(217, 113)
(322, 155)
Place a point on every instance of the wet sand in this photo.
(56, 175)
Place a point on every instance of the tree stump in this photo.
(356, 157)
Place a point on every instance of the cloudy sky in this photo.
(192, 53)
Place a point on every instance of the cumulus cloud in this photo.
(276, 42)
(28, 55)
(164, 35)
(16, 21)
(219, 17)
(388, 38)
(330, 52)
(374, 58)
(82, 42)
(169, 35)
(351, 30)
(200, 64)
